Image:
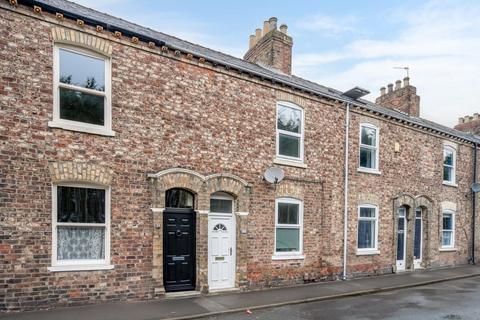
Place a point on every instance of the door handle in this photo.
(179, 233)
(230, 250)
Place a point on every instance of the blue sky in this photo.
(342, 44)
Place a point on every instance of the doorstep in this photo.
(182, 294)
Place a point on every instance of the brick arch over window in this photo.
(231, 184)
(67, 171)
(81, 39)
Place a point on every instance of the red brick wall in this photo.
(168, 113)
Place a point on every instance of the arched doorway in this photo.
(179, 240)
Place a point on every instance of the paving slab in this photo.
(208, 305)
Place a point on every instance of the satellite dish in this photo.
(476, 187)
(274, 175)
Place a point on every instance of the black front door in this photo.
(178, 249)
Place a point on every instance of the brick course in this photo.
(172, 112)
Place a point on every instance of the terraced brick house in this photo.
(132, 166)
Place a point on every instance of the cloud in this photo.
(440, 42)
(327, 25)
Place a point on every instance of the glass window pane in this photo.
(288, 240)
(178, 198)
(289, 119)
(288, 213)
(367, 158)
(81, 70)
(367, 212)
(447, 173)
(369, 136)
(83, 205)
(448, 157)
(289, 146)
(80, 243)
(447, 221)
(366, 234)
(446, 238)
(221, 205)
(82, 107)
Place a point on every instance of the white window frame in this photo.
(57, 122)
(376, 148)
(374, 250)
(300, 135)
(293, 254)
(451, 149)
(81, 264)
(452, 245)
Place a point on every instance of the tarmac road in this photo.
(452, 300)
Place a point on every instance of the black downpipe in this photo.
(474, 202)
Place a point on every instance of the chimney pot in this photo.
(390, 87)
(461, 120)
(284, 28)
(251, 41)
(266, 27)
(476, 116)
(258, 34)
(398, 84)
(406, 81)
(382, 91)
(273, 23)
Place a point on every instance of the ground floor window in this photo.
(81, 225)
(448, 229)
(367, 228)
(288, 226)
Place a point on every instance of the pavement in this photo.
(221, 304)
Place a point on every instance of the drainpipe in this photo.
(345, 209)
(474, 198)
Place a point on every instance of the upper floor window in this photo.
(448, 229)
(369, 147)
(81, 91)
(289, 132)
(367, 237)
(81, 228)
(449, 162)
(288, 227)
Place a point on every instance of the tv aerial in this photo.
(274, 175)
(407, 69)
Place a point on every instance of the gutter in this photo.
(474, 202)
(345, 193)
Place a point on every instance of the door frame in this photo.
(193, 248)
(402, 267)
(417, 263)
(213, 215)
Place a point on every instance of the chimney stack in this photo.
(271, 47)
(469, 124)
(403, 99)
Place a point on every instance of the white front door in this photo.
(417, 244)
(401, 238)
(221, 245)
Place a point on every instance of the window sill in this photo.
(365, 170)
(80, 128)
(290, 163)
(79, 267)
(450, 184)
(367, 252)
(447, 249)
(288, 257)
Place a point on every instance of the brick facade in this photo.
(180, 122)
